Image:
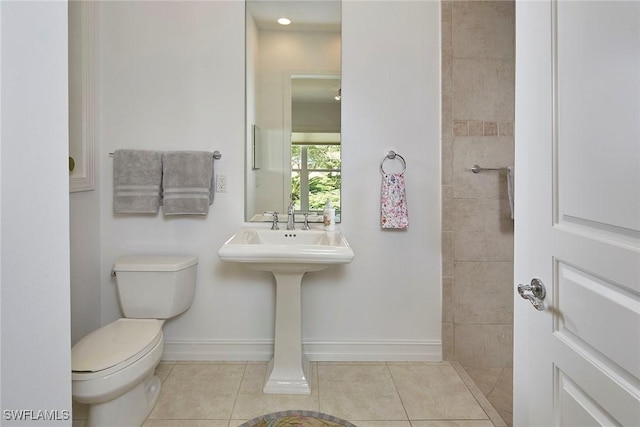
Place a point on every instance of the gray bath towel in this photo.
(137, 175)
(187, 182)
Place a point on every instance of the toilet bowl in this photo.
(113, 367)
(113, 371)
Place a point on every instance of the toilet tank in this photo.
(155, 287)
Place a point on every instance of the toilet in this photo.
(113, 367)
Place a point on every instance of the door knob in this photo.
(535, 293)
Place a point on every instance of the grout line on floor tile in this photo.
(493, 387)
(482, 400)
(314, 366)
(235, 401)
(393, 380)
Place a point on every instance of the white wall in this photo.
(172, 77)
(84, 223)
(390, 100)
(36, 359)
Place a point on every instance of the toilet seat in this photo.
(114, 347)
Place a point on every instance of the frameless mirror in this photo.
(293, 92)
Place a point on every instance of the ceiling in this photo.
(315, 89)
(305, 15)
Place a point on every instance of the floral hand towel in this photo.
(393, 202)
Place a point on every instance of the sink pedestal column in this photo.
(288, 371)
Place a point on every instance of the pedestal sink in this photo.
(288, 254)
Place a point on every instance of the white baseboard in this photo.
(376, 351)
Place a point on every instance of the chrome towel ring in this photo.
(391, 155)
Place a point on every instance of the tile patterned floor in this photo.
(497, 385)
(411, 394)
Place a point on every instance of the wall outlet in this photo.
(221, 183)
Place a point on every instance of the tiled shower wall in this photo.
(478, 62)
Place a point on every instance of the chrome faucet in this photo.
(274, 226)
(291, 217)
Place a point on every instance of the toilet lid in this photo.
(114, 343)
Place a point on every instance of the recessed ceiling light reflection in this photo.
(284, 21)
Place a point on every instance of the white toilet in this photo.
(113, 367)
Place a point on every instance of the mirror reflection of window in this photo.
(315, 171)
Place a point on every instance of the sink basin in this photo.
(301, 250)
(288, 254)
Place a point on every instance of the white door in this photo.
(577, 229)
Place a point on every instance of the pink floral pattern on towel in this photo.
(393, 202)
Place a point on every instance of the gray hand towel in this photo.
(137, 175)
(187, 182)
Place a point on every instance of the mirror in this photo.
(293, 95)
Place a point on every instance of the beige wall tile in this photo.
(505, 129)
(483, 230)
(447, 161)
(490, 128)
(476, 128)
(486, 152)
(447, 298)
(447, 100)
(460, 128)
(447, 254)
(483, 293)
(505, 382)
(483, 89)
(447, 208)
(484, 29)
(478, 53)
(489, 346)
(446, 28)
(447, 342)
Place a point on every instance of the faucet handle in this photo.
(274, 225)
(305, 226)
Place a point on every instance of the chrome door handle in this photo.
(535, 293)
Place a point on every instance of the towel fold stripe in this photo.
(186, 196)
(136, 194)
(137, 187)
(186, 190)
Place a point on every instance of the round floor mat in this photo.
(297, 419)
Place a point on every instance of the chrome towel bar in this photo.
(216, 155)
(477, 168)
